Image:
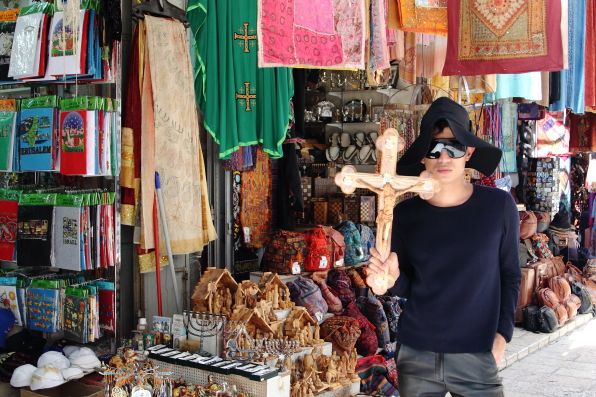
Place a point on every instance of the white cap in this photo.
(72, 373)
(53, 359)
(21, 377)
(85, 359)
(46, 378)
(68, 350)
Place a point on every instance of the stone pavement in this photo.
(565, 366)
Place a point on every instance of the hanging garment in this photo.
(321, 34)
(524, 85)
(255, 194)
(582, 129)
(130, 170)
(242, 104)
(422, 16)
(573, 78)
(590, 55)
(170, 141)
(507, 37)
(379, 53)
(508, 142)
(290, 200)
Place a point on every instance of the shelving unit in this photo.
(109, 89)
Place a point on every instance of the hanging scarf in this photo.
(590, 55)
(573, 79)
(508, 137)
(170, 137)
(323, 33)
(511, 37)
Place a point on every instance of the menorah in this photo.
(205, 325)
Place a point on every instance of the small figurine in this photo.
(228, 301)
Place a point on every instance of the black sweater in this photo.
(459, 270)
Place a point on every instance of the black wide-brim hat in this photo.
(485, 158)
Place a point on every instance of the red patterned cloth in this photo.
(505, 36)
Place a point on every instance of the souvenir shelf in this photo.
(103, 183)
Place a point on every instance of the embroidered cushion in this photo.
(341, 331)
(367, 342)
(304, 292)
(284, 254)
(353, 253)
(373, 310)
(393, 309)
(339, 283)
(319, 251)
(367, 237)
(334, 304)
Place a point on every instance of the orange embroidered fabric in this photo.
(255, 197)
(423, 16)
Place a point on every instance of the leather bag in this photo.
(580, 290)
(560, 286)
(526, 292)
(527, 224)
(572, 305)
(549, 298)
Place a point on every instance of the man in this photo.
(458, 264)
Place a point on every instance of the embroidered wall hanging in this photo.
(321, 34)
(513, 36)
(255, 216)
(423, 16)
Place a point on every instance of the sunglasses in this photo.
(454, 148)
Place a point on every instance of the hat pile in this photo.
(54, 368)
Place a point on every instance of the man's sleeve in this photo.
(510, 270)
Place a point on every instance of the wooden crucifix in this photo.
(388, 186)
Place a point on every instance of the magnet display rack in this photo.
(77, 88)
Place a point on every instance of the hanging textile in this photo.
(524, 85)
(505, 37)
(255, 201)
(590, 55)
(325, 33)
(424, 56)
(508, 140)
(242, 105)
(573, 78)
(379, 53)
(422, 16)
(551, 136)
(130, 170)
(170, 141)
(582, 130)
